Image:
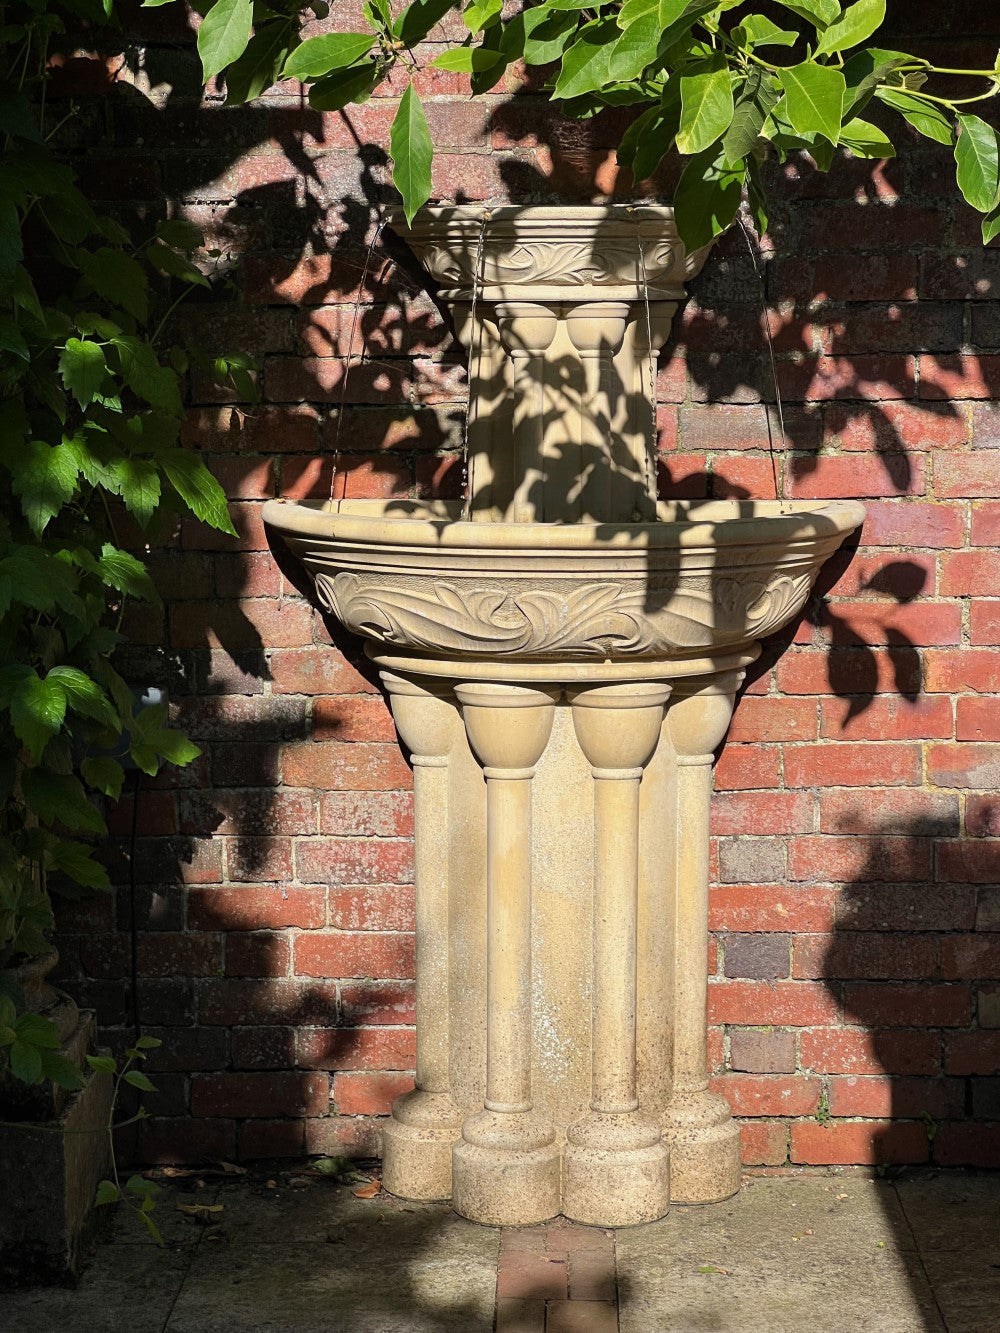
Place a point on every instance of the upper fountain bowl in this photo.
(707, 577)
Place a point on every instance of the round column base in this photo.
(616, 1187)
(704, 1139)
(506, 1170)
(417, 1145)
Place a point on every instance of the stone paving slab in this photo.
(822, 1254)
(784, 1255)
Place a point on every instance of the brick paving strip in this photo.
(558, 1278)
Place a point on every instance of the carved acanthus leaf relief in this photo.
(590, 620)
(587, 260)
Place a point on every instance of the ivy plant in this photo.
(91, 393)
(720, 82)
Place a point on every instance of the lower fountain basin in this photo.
(707, 575)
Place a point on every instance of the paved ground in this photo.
(916, 1254)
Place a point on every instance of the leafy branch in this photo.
(716, 81)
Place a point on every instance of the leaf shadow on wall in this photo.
(904, 1070)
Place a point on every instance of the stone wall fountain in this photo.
(562, 654)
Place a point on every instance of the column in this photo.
(506, 1167)
(704, 1138)
(526, 330)
(425, 1123)
(616, 1164)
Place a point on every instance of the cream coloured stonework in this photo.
(562, 657)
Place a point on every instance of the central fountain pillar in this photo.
(562, 957)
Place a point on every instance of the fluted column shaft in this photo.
(704, 1139)
(506, 1168)
(425, 1123)
(616, 1167)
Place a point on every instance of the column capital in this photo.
(508, 725)
(426, 717)
(618, 726)
(699, 715)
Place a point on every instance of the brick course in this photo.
(855, 905)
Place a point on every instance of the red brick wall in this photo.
(855, 990)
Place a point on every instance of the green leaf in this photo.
(412, 151)
(754, 104)
(478, 14)
(180, 233)
(36, 712)
(991, 225)
(587, 63)
(762, 32)
(223, 35)
(44, 477)
(820, 13)
(198, 489)
(865, 140)
(76, 861)
(174, 265)
(148, 1043)
(26, 1062)
(11, 245)
(925, 117)
(347, 85)
(466, 59)
(123, 571)
(84, 695)
(707, 198)
(416, 21)
(706, 106)
(24, 294)
(118, 278)
(139, 366)
(102, 1064)
(60, 798)
(37, 1030)
(259, 67)
(138, 483)
(546, 35)
(83, 368)
(137, 1079)
(319, 55)
(648, 138)
(107, 1190)
(136, 1184)
(61, 1071)
(855, 25)
(104, 775)
(12, 339)
(814, 98)
(978, 162)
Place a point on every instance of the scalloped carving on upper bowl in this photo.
(612, 252)
(706, 576)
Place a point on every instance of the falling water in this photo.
(347, 368)
(651, 486)
(477, 282)
(779, 490)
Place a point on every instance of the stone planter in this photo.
(53, 1147)
(562, 655)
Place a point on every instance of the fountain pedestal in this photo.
(562, 655)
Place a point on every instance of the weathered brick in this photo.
(763, 1143)
(361, 1093)
(352, 954)
(761, 1051)
(851, 1050)
(757, 956)
(784, 1003)
(259, 1095)
(864, 1142)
